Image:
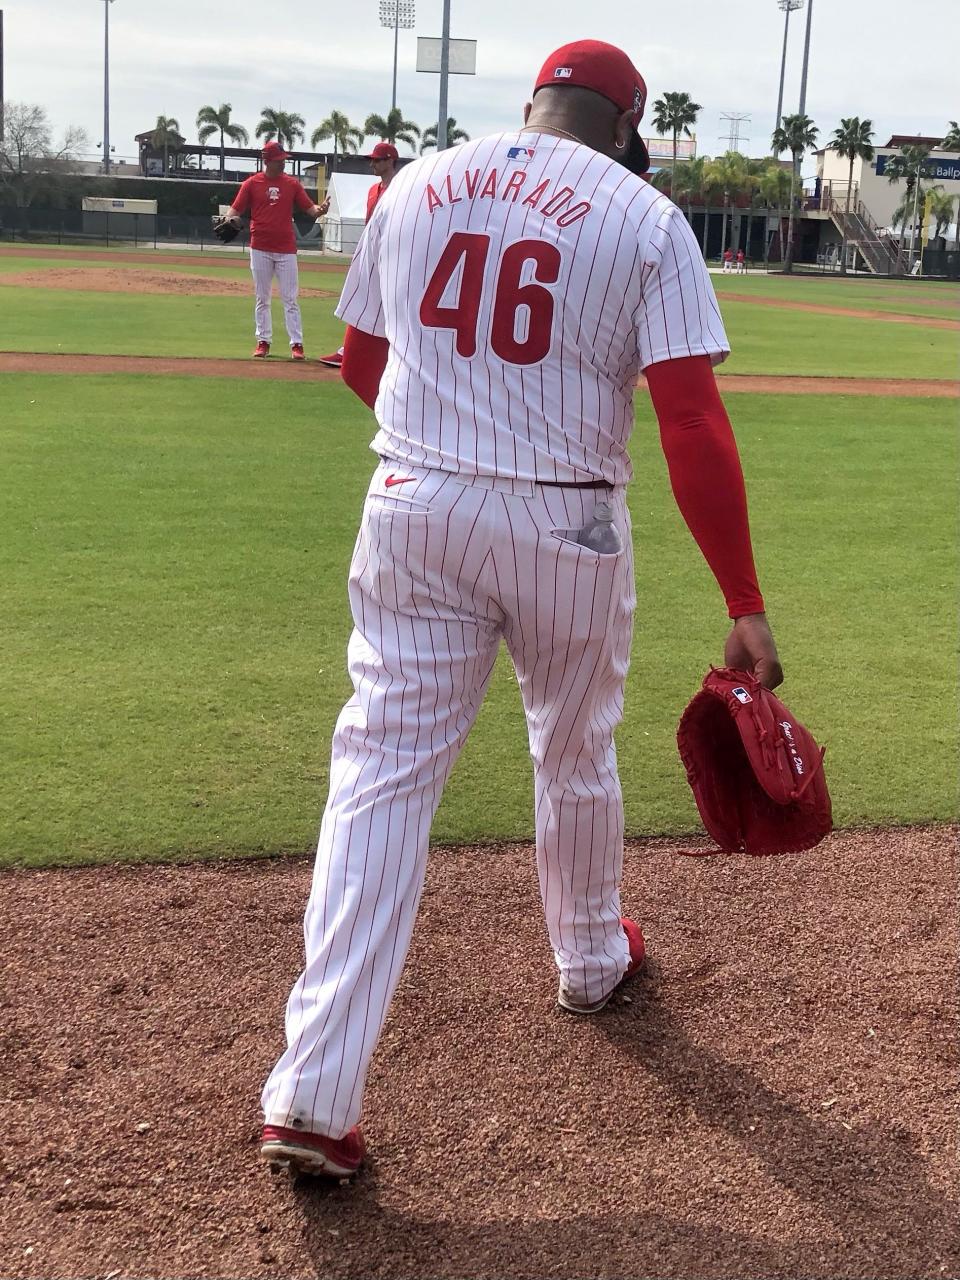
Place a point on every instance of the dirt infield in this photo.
(771, 1099)
(158, 257)
(111, 280)
(312, 370)
(821, 309)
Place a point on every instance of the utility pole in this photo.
(1, 77)
(806, 59)
(106, 85)
(442, 141)
(787, 7)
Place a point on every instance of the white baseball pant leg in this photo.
(434, 586)
(288, 278)
(261, 266)
(264, 267)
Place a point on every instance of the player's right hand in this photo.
(751, 647)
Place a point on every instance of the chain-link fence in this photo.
(152, 230)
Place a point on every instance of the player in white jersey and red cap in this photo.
(501, 304)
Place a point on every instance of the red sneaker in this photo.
(312, 1153)
(296, 351)
(334, 361)
(262, 350)
(637, 953)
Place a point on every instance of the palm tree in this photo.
(797, 134)
(907, 167)
(212, 120)
(166, 134)
(941, 206)
(729, 175)
(852, 140)
(346, 137)
(392, 128)
(673, 114)
(773, 189)
(952, 141)
(454, 135)
(285, 126)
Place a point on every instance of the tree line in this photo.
(288, 128)
(733, 177)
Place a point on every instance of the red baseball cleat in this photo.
(637, 952)
(334, 361)
(262, 350)
(312, 1153)
(296, 351)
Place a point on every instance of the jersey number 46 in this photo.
(512, 340)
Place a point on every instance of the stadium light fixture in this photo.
(397, 14)
(786, 7)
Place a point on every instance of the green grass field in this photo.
(764, 339)
(909, 297)
(175, 552)
(174, 612)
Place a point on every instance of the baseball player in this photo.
(501, 304)
(270, 197)
(741, 263)
(383, 162)
(728, 259)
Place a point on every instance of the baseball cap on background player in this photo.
(384, 151)
(274, 151)
(592, 64)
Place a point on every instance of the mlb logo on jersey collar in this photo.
(521, 154)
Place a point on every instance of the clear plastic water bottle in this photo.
(601, 534)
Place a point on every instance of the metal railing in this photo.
(882, 253)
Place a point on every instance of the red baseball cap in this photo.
(384, 151)
(592, 64)
(274, 151)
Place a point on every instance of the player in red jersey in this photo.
(270, 198)
(383, 162)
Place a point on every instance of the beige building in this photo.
(880, 196)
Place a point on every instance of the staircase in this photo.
(882, 255)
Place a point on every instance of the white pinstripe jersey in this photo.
(523, 280)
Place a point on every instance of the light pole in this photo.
(806, 59)
(397, 14)
(106, 85)
(786, 7)
(442, 140)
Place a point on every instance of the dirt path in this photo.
(148, 280)
(817, 308)
(311, 370)
(158, 257)
(774, 1100)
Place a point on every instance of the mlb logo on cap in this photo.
(563, 73)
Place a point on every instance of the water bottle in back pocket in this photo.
(601, 534)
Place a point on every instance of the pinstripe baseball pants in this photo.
(264, 267)
(441, 572)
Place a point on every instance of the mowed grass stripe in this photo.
(938, 299)
(764, 339)
(174, 620)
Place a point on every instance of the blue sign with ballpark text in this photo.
(934, 167)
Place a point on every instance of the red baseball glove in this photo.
(755, 770)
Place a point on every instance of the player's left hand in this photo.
(323, 208)
(751, 647)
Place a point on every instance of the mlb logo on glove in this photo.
(755, 771)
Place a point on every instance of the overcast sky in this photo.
(172, 58)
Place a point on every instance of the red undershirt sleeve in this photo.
(364, 360)
(705, 474)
